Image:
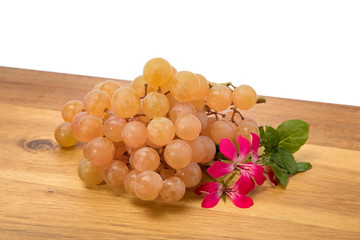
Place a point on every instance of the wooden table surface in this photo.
(41, 196)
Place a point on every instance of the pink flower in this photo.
(214, 191)
(250, 169)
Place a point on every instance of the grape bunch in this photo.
(151, 138)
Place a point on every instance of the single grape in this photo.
(180, 109)
(147, 185)
(134, 134)
(199, 149)
(160, 131)
(113, 127)
(173, 189)
(187, 127)
(86, 127)
(130, 180)
(97, 102)
(89, 173)
(155, 105)
(145, 159)
(184, 86)
(70, 109)
(100, 151)
(219, 98)
(221, 129)
(125, 102)
(244, 129)
(109, 86)
(191, 175)
(115, 173)
(138, 84)
(178, 154)
(244, 97)
(64, 136)
(157, 72)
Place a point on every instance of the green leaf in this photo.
(303, 166)
(269, 139)
(284, 159)
(280, 173)
(293, 134)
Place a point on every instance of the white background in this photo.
(295, 49)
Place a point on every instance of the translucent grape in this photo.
(70, 109)
(97, 102)
(184, 85)
(138, 84)
(244, 97)
(244, 129)
(115, 173)
(198, 148)
(222, 129)
(211, 149)
(145, 159)
(64, 136)
(157, 72)
(113, 127)
(173, 189)
(109, 86)
(86, 127)
(181, 108)
(134, 134)
(125, 102)
(155, 105)
(160, 131)
(147, 185)
(191, 175)
(178, 154)
(187, 127)
(89, 173)
(219, 98)
(203, 87)
(130, 180)
(100, 151)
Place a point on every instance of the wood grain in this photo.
(42, 198)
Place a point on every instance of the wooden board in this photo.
(41, 196)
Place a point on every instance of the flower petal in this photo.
(228, 149)
(219, 169)
(244, 147)
(245, 183)
(211, 199)
(271, 175)
(255, 142)
(241, 201)
(208, 187)
(255, 171)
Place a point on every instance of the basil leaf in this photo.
(281, 174)
(303, 166)
(284, 159)
(293, 134)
